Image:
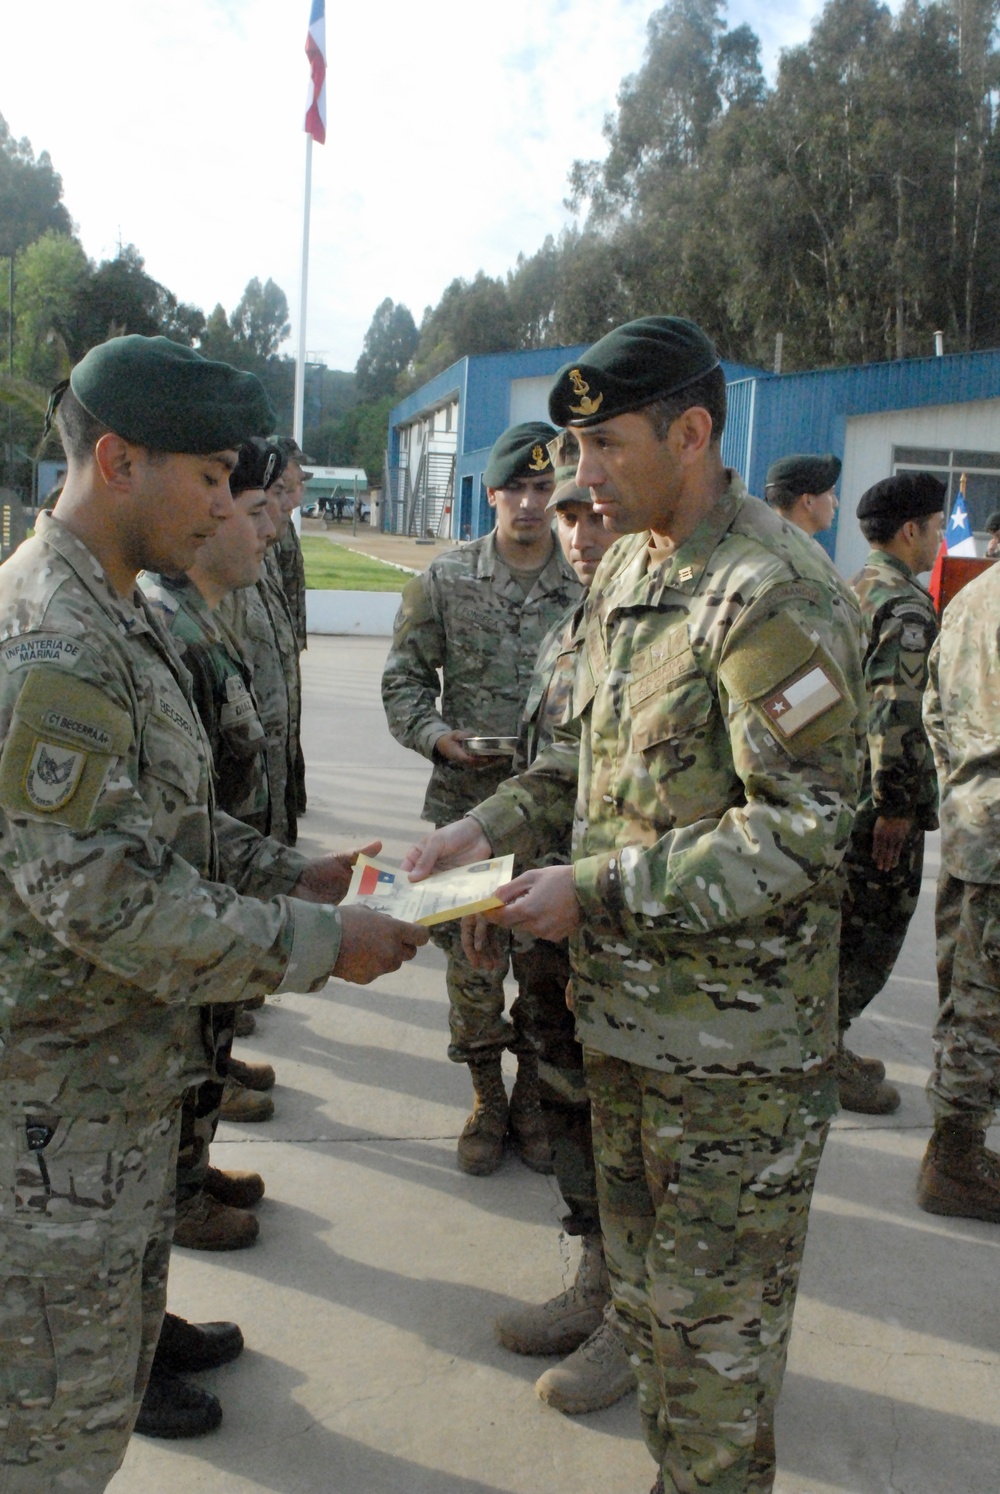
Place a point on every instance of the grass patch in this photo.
(332, 567)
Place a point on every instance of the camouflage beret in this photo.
(260, 463)
(292, 450)
(648, 359)
(908, 495)
(564, 449)
(159, 394)
(804, 474)
(521, 451)
(568, 492)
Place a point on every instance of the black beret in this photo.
(639, 362)
(908, 495)
(159, 394)
(993, 522)
(804, 474)
(260, 463)
(521, 451)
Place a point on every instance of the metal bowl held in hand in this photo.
(491, 746)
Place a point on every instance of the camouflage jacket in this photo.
(467, 617)
(220, 683)
(713, 760)
(259, 619)
(899, 777)
(293, 581)
(126, 901)
(962, 716)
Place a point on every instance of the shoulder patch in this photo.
(64, 736)
(790, 682)
(41, 648)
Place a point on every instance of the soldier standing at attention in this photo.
(291, 486)
(116, 920)
(580, 1321)
(960, 1175)
(709, 774)
(901, 518)
(468, 630)
(801, 489)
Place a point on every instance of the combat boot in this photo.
(173, 1408)
(528, 1130)
(205, 1224)
(244, 1105)
(240, 1190)
(255, 1076)
(480, 1146)
(959, 1174)
(598, 1374)
(245, 1024)
(185, 1348)
(859, 1088)
(565, 1322)
(873, 1066)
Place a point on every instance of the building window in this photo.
(981, 470)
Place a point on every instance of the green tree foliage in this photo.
(30, 194)
(390, 343)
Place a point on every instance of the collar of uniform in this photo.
(555, 573)
(130, 618)
(684, 570)
(894, 563)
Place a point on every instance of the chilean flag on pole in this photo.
(316, 52)
(958, 540)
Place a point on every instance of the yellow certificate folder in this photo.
(443, 895)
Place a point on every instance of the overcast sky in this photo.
(450, 133)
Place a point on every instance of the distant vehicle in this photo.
(310, 509)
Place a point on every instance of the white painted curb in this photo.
(367, 614)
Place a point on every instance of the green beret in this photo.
(804, 474)
(156, 393)
(648, 359)
(568, 492)
(520, 452)
(908, 495)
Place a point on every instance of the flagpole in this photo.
(300, 360)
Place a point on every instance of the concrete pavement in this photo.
(366, 1304)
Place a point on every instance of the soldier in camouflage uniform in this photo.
(960, 1175)
(212, 1205)
(116, 925)
(291, 486)
(709, 774)
(261, 618)
(477, 616)
(901, 518)
(801, 488)
(580, 1321)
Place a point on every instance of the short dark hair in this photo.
(707, 393)
(878, 529)
(780, 497)
(78, 430)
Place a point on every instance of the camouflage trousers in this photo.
(542, 970)
(476, 999)
(202, 1102)
(85, 1229)
(875, 913)
(965, 1081)
(705, 1190)
(947, 917)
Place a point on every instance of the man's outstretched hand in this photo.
(457, 844)
(372, 944)
(541, 902)
(327, 879)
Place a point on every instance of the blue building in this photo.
(938, 414)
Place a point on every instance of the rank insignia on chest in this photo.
(800, 701)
